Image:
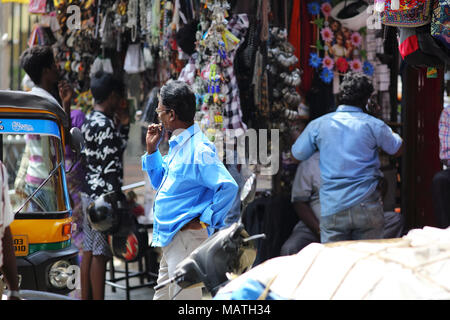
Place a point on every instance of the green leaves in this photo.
(319, 22)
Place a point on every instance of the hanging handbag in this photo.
(134, 59)
(405, 13)
(37, 6)
(439, 21)
(101, 64)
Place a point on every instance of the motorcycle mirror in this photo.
(248, 190)
(76, 144)
(77, 140)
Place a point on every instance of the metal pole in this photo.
(11, 66)
(1, 147)
(1, 45)
(29, 25)
(19, 69)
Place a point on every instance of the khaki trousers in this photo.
(182, 244)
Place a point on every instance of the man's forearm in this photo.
(400, 150)
(9, 268)
(306, 214)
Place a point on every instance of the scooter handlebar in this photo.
(174, 279)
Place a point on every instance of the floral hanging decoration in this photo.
(327, 75)
(326, 9)
(314, 60)
(356, 39)
(327, 34)
(313, 8)
(341, 65)
(338, 49)
(368, 68)
(327, 63)
(356, 65)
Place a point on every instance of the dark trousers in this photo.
(440, 189)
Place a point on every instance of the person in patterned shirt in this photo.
(105, 132)
(441, 181)
(8, 264)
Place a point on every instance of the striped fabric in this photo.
(6, 213)
(38, 170)
(444, 135)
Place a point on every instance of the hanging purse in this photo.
(37, 6)
(106, 30)
(134, 59)
(405, 13)
(439, 21)
(101, 64)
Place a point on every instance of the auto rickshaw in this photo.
(33, 135)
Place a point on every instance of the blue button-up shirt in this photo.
(348, 141)
(191, 181)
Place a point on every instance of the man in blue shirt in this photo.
(348, 141)
(194, 189)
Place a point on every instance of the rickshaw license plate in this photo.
(20, 245)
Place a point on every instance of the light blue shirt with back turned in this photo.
(190, 181)
(348, 141)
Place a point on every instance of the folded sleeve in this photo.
(305, 145)
(388, 140)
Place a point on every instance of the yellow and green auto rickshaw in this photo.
(33, 135)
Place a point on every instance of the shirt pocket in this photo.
(178, 170)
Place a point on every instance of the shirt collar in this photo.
(347, 108)
(184, 135)
(44, 93)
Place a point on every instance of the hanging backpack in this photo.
(418, 48)
(413, 18)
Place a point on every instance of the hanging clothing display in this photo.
(283, 79)
(212, 76)
(300, 36)
(262, 64)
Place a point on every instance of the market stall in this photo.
(253, 65)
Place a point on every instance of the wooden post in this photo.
(422, 102)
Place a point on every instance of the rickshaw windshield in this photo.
(32, 153)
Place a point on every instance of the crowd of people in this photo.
(337, 190)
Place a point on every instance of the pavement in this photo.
(140, 293)
(112, 293)
(145, 293)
